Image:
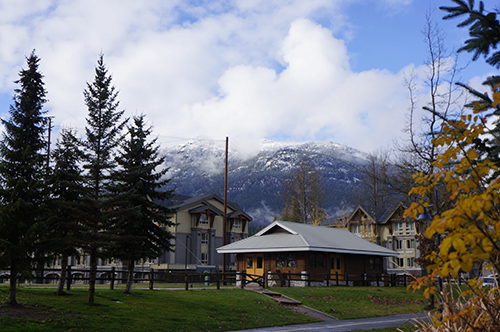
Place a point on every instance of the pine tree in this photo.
(103, 134)
(484, 30)
(67, 210)
(22, 174)
(139, 227)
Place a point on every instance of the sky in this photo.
(284, 70)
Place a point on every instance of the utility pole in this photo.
(224, 221)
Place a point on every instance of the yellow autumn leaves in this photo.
(470, 226)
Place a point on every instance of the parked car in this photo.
(490, 280)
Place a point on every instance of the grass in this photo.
(357, 302)
(144, 310)
(195, 310)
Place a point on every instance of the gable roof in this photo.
(201, 203)
(283, 236)
(377, 214)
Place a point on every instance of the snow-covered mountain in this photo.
(254, 182)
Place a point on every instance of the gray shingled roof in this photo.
(289, 236)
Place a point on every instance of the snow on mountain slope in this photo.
(254, 182)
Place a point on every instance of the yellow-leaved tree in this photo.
(469, 228)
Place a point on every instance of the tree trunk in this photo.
(92, 274)
(62, 277)
(130, 276)
(12, 285)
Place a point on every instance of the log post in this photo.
(112, 281)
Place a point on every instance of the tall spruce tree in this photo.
(67, 210)
(22, 175)
(103, 134)
(139, 228)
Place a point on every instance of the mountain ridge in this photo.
(254, 181)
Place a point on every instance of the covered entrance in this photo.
(336, 264)
(255, 267)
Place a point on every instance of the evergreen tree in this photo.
(484, 30)
(103, 134)
(22, 174)
(139, 227)
(67, 211)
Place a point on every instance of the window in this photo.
(203, 219)
(355, 228)
(237, 224)
(259, 262)
(369, 228)
(290, 261)
(406, 227)
(410, 262)
(204, 238)
(410, 244)
(398, 244)
(316, 260)
(250, 262)
(280, 260)
(398, 261)
(375, 263)
(204, 258)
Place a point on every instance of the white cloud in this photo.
(244, 69)
(315, 96)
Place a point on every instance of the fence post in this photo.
(217, 278)
(346, 278)
(289, 279)
(151, 278)
(68, 277)
(243, 279)
(327, 279)
(264, 279)
(186, 284)
(337, 277)
(112, 281)
(378, 278)
(404, 279)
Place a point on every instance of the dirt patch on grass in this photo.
(33, 312)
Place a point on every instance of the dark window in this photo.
(259, 262)
(375, 263)
(280, 260)
(290, 260)
(316, 261)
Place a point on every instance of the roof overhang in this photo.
(304, 249)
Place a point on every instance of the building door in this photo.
(255, 264)
(336, 264)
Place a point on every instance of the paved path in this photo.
(345, 325)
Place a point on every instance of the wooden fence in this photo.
(115, 276)
(188, 278)
(288, 279)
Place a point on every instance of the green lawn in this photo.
(144, 310)
(357, 302)
(195, 310)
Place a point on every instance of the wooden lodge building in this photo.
(289, 247)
